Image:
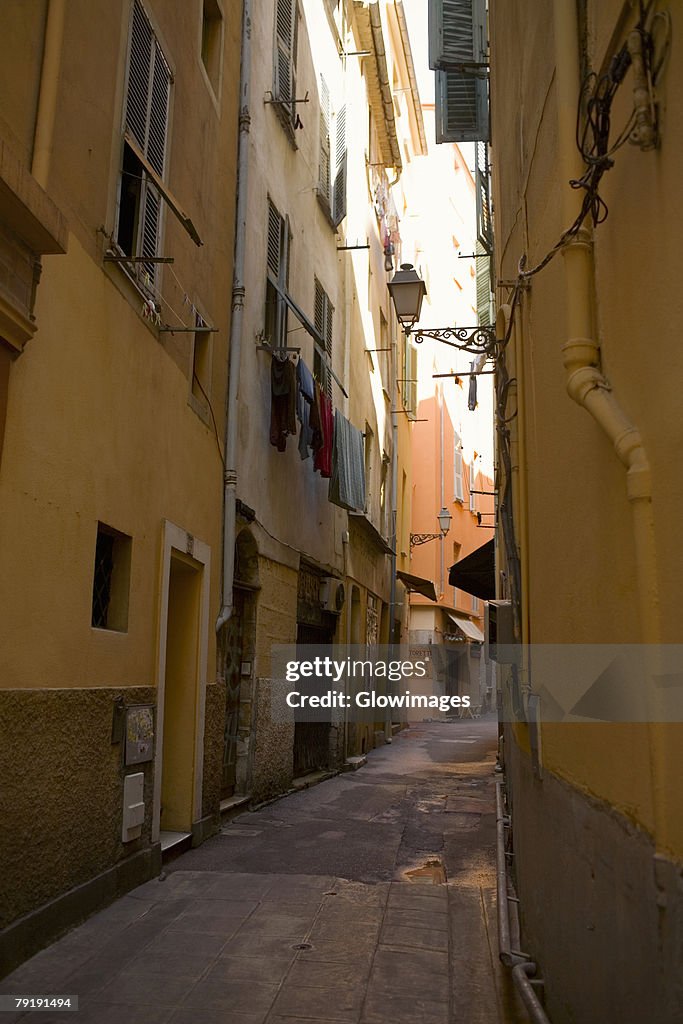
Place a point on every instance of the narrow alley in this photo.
(368, 898)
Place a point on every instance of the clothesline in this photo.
(336, 445)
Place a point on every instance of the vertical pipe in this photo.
(238, 295)
(49, 85)
(442, 494)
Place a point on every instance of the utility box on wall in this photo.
(499, 633)
(133, 807)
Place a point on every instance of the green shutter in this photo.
(462, 113)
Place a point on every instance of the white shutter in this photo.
(458, 493)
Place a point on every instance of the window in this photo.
(410, 379)
(111, 579)
(148, 90)
(323, 324)
(458, 493)
(277, 278)
(212, 41)
(284, 73)
(473, 488)
(332, 172)
(201, 366)
(458, 52)
(369, 445)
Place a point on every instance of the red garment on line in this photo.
(323, 457)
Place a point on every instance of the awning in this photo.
(471, 631)
(418, 584)
(476, 573)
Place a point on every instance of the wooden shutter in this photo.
(147, 106)
(457, 33)
(339, 196)
(285, 50)
(324, 182)
(323, 314)
(457, 470)
(458, 49)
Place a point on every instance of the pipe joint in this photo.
(639, 481)
(580, 352)
(583, 380)
(230, 478)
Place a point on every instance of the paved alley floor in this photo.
(367, 899)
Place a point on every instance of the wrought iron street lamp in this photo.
(444, 518)
(407, 290)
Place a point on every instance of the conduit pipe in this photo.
(522, 966)
(238, 295)
(589, 388)
(49, 85)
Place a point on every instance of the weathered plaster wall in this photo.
(63, 790)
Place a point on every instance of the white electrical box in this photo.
(133, 807)
(498, 631)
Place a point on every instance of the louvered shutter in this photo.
(139, 67)
(324, 184)
(323, 316)
(147, 104)
(339, 196)
(457, 470)
(274, 241)
(457, 33)
(285, 47)
(458, 40)
(412, 380)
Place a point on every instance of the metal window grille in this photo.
(101, 590)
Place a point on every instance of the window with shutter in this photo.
(458, 493)
(339, 192)
(332, 173)
(323, 315)
(458, 52)
(148, 88)
(284, 71)
(276, 278)
(324, 177)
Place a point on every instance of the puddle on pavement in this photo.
(431, 871)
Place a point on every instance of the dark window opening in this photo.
(111, 579)
(129, 202)
(212, 30)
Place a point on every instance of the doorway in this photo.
(181, 685)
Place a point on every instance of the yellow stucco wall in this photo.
(579, 546)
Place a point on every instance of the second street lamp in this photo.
(444, 518)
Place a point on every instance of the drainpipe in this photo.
(49, 84)
(238, 294)
(589, 388)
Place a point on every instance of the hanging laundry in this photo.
(475, 366)
(323, 456)
(305, 400)
(347, 482)
(282, 401)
